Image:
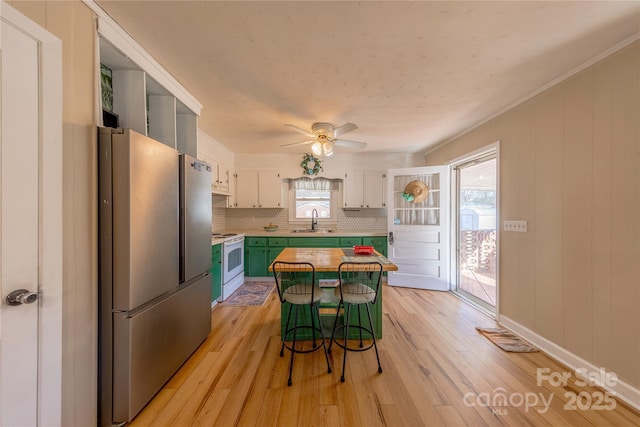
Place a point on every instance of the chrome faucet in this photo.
(314, 219)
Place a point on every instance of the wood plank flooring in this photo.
(438, 371)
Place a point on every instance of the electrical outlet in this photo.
(519, 226)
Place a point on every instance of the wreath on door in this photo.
(311, 165)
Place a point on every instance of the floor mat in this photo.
(250, 293)
(507, 340)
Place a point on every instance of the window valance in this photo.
(316, 184)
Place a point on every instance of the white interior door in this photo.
(30, 162)
(419, 230)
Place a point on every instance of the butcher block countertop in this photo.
(321, 233)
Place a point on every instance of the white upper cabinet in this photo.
(365, 189)
(220, 178)
(258, 189)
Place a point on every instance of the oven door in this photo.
(233, 259)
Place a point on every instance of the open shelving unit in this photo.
(146, 97)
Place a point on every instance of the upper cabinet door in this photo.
(374, 189)
(353, 189)
(247, 189)
(269, 190)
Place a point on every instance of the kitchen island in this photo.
(329, 259)
(326, 262)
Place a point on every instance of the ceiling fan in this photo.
(324, 136)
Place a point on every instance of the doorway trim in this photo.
(454, 221)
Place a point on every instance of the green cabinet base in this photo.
(216, 272)
(327, 318)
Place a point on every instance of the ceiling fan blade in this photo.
(302, 131)
(351, 144)
(298, 143)
(340, 130)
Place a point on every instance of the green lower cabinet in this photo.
(275, 245)
(349, 242)
(216, 272)
(255, 257)
(272, 253)
(255, 262)
(313, 242)
(378, 243)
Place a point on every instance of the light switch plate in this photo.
(519, 226)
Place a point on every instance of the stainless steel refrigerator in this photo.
(154, 257)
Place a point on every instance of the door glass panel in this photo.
(407, 212)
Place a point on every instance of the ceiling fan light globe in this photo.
(316, 148)
(328, 149)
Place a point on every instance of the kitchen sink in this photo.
(309, 230)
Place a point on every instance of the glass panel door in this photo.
(418, 225)
(476, 230)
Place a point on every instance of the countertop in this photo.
(216, 241)
(288, 233)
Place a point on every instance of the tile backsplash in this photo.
(373, 220)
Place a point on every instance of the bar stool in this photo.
(359, 284)
(296, 285)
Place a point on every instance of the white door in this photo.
(419, 229)
(28, 231)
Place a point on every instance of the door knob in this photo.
(21, 296)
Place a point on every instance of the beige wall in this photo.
(570, 166)
(73, 23)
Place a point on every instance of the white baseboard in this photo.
(623, 391)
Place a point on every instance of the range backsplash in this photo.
(372, 220)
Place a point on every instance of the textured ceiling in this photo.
(409, 74)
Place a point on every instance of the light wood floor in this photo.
(438, 370)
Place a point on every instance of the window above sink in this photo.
(307, 194)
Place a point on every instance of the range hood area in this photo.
(219, 192)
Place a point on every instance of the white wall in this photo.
(210, 148)
(334, 166)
